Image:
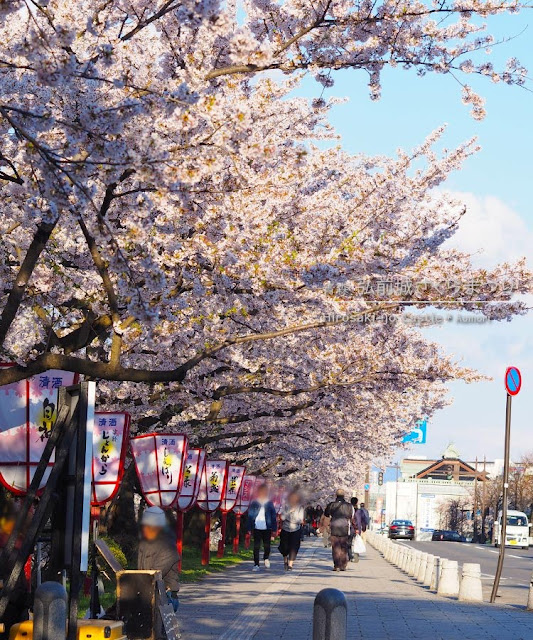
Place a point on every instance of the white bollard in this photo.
(471, 589)
(407, 560)
(435, 575)
(422, 567)
(430, 564)
(413, 567)
(449, 579)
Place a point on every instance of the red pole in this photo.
(237, 533)
(207, 535)
(222, 541)
(179, 537)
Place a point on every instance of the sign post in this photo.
(513, 383)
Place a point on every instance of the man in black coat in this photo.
(341, 514)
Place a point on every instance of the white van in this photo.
(517, 533)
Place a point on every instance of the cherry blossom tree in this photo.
(176, 224)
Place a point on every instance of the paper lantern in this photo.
(212, 485)
(159, 461)
(110, 441)
(192, 474)
(233, 487)
(245, 496)
(28, 411)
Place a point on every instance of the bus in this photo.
(517, 534)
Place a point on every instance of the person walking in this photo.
(365, 520)
(157, 551)
(292, 519)
(262, 521)
(324, 529)
(354, 530)
(341, 514)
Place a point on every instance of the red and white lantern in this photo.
(159, 461)
(192, 475)
(244, 499)
(233, 487)
(246, 495)
(212, 491)
(212, 485)
(110, 441)
(28, 411)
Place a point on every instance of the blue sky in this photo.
(497, 186)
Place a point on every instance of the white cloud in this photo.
(492, 230)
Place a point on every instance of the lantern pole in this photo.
(206, 542)
(237, 533)
(179, 537)
(222, 541)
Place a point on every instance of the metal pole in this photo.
(474, 515)
(503, 527)
(367, 491)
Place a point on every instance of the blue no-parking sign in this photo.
(513, 381)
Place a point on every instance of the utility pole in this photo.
(476, 538)
(483, 500)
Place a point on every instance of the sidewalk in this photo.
(383, 604)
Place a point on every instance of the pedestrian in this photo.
(157, 551)
(341, 514)
(354, 530)
(262, 521)
(365, 520)
(292, 519)
(324, 529)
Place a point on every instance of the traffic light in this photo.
(380, 478)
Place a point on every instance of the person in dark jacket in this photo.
(262, 521)
(158, 552)
(341, 514)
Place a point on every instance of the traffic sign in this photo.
(513, 381)
(418, 435)
(367, 487)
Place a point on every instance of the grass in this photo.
(192, 563)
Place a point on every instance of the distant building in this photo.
(424, 485)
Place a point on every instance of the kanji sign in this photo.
(160, 460)
(246, 495)
(192, 474)
(233, 487)
(110, 438)
(212, 485)
(28, 411)
(513, 381)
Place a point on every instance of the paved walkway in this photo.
(383, 604)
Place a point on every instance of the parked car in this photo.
(447, 536)
(401, 529)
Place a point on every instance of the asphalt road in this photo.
(517, 568)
